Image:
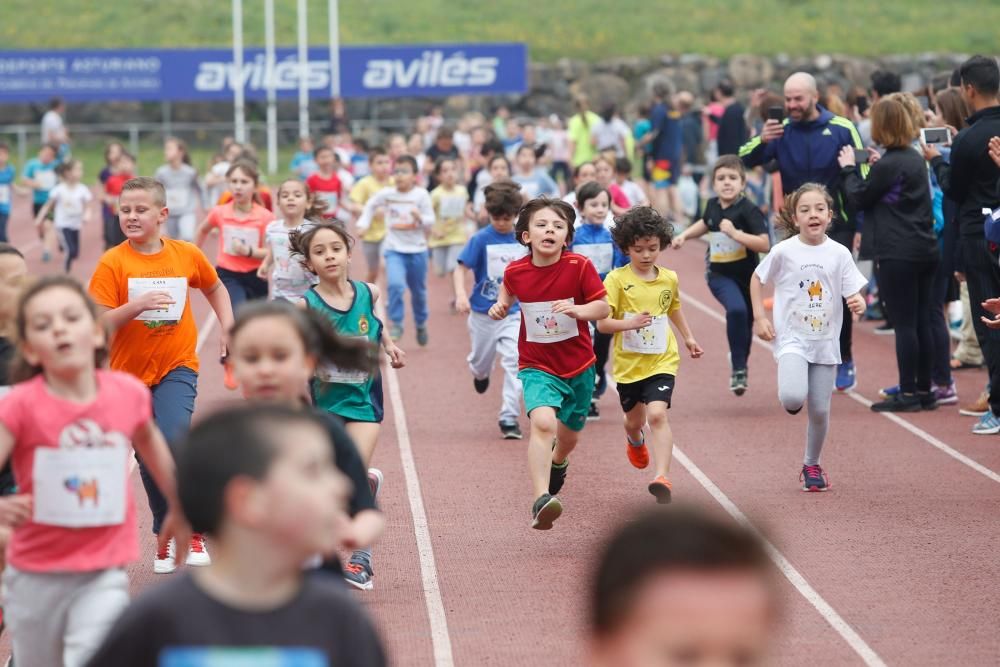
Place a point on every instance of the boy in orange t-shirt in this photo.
(141, 288)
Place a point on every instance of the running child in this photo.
(604, 173)
(122, 172)
(69, 428)
(408, 213)
(448, 235)
(534, 181)
(112, 231)
(142, 289)
(737, 231)
(593, 241)
(241, 224)
(812, 275)
(40, 175)
(70, 200)
(261, 480)
(183, 192)
(559, 293)
(623, 179)
(7, 177)
(285, 275)
(497, 169)
(366, 188)
(324, 182)
(275, 351)
(643, 296)
(354, 396)
(486, 257)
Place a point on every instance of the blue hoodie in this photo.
(598, 236)
(807, 153)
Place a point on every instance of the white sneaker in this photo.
(164, 562)
(198, 553)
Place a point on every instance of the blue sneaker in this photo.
(814, 479)
(889, 392)
(847, 378)
(988, 424)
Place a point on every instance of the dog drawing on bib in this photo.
(814, 290)
(549, 323)
(83, 489)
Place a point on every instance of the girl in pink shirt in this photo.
(69, 428)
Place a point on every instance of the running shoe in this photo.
(988, 424)
(375, 479)
(899, 402)
(228, 380)
(947, 395)
(422, 336)
(165, 560)
(510, 431)
(814, 479)
(594, 413)
(738, 382)
(847, 377)
(395, 331)
(885, 329)
(638, 455)
(928, 401)
(660, 487)
(977, 409)
(481, 385)
(545, 511)
(358, 571)
(197, 553)
(557, 477)
(889, 392)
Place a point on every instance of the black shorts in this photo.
(654, 388)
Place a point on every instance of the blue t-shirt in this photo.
(666, 124)
(595, 243)
(487, 255)
(46, 173)
(7, 175)
(536, 184)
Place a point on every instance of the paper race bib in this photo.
(601, 254)
(178, 198)
(4, 194)
(451, 208)
(541, 325)
(530, 188)
(177, 288)
(332, 200)
(46, 178)
(399, 215)
(723, 249)
(332, 374)
(811, 311)
(80, 487)
(71, 204)
(231, 233)
(650, 339)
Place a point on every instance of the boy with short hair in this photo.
(681, 588)
(324, 182)
(261, 480)
(40, 175)
(559, 293)
(486, 257)
(632, 190)
(142, 289)
(379, 178)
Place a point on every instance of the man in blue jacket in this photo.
(805, 145)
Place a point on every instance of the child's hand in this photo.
(174, 527)
(263, 272)
(238, 247)
(497, 311)
(155, 300)
(677, 242)
(462, 305)
(641, 320)
(396, 355)
(846, 156)
(992, 306)
(764, 329)
(693, 348)
(15, 510)
(566, 307)
(727, 227)
(856, 303)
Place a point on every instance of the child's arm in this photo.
(397, 358)
(204, 229)
(679, 321)
(15, 509)
(610, 325)
(362, 224)
(598, 309)
(505, 300)
(115, 318)
(149, 444)
(459, 279)
(264, 270)
(218, 297)
(761, 325)
(694, 231)
(754, 242)
(426, 212)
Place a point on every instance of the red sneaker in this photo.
(661, 488)
(637, 456)
(227, 379)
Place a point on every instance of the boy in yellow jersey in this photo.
(642, 296)
(379, 178)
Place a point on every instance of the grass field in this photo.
(587, 29)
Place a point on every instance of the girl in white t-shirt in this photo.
(284, 274)
(811, 275)
(70, 199)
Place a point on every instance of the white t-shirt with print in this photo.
(70, 201)
(810, 282)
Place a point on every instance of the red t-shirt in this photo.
(113, 187)
(329, 189)
(618, 196)
(548, 341)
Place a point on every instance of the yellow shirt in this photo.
(449, 210)
(364, 190)
(653, 349)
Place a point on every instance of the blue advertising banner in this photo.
(208, 74)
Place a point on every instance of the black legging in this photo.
(845, 237)
(907, 286)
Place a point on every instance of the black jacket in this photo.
(971, 178)
(896, 200)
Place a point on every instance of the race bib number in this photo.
(541, 325)
(651, 339)
(451, 208)
(233, 233)
(250, 656)
(399, 215)
(177, 288)
(4, 194)
(600, 254)
(332, 374)
(723, 249)
(811, 313)
(80, 487)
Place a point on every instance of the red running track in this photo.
(895, 565)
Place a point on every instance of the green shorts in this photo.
(570, 397)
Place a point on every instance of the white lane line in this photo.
(895, 419)
(836, 621)
(440, 639)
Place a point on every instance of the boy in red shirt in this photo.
(124, 171)
(325, 183)
(559, 292)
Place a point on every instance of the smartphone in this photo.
(861, 156)
(862, 104)
(935, 135)
(925, 103)
(776, 113)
